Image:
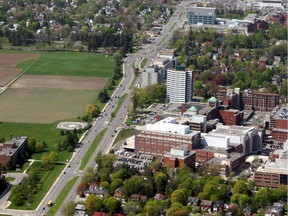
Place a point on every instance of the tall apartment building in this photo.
(159, 138)
(152, 75)
(205, 15)
(179, 86)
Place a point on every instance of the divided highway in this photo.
(150, 51)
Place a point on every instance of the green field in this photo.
(59, 201)
(143, 63)
(70, 64)
(41, 132)
(124, 134)
(91, 149)
(43, 105)
(47, 179)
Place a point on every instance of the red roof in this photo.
(99, 214)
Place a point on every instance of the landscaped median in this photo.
(61, 197)
(124, 134)
(119, 104)
(143, 63)
(91, 149)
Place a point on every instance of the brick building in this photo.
(231, 117)
(279, 123)
(259, 101)
(10, 151)
(159, 138)
(179, 157)
(257, 25)
(273, 173)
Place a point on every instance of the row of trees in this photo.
(70, 141)
(176, 186)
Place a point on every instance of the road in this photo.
(105, 144)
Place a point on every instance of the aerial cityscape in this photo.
(143, 107)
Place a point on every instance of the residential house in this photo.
(99, 214)
(206, 205)
(118, 193)
(247, 211)
(98, 191)
(135, 197)
(218, 206)
(193, 201)
(159, 197)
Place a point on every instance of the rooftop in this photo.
(202, 10)
(10, 147)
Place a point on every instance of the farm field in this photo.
(71, 64)
(43, 105)
(8, 64)
(60, 82)
(55, 85)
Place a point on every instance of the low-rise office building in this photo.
(273, 173)
(204, 15)
(159, 138)
(10, 151)
(279, 123)
(179, 157)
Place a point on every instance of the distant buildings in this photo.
(10, 151)
(159, 138)
(179, 85)
(204, 15)
(273, 173)
(257, 25)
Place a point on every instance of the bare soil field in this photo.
(12, 59)
(8, 62)
(60, 82)
(7, 74)
(43, 105)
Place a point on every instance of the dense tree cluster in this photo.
(142, 97)
(213, 55)
(70, 142)
(175, 185)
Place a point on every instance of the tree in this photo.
(45, 160)
(92, 110)
(103, 96)
(32, 145)
(261, 198)
(39, 146)
(53, 157)
(112, 204)
(93, 203)
(89, 175)
(68, 208)
(160, 180)
(132, 185)
(240, 188)
(81, 188)
(116, 183)
(179, 195)
(132, 208)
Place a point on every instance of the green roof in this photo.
(212, 99)
(192, 109)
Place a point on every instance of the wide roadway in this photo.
(105, 144)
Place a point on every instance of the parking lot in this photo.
(133, 160)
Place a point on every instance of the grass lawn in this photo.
(9, 179)
(47, 179)
(143, 62)
(119, 104)
(43, 105)
(41, 132)
(91, 149)
(71, 64)
(61, 197)
(124, 134)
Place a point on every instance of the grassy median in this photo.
(91, 149)
(61, 197)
